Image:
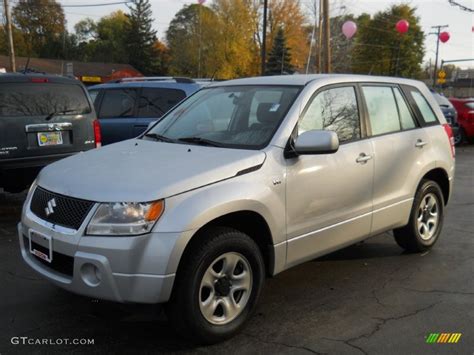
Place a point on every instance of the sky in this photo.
(431, 13)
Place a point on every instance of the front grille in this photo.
(58, 209)
(61, 263)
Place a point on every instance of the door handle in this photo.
(363, 158)
(420, 143)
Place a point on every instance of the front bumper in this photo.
(138, 269)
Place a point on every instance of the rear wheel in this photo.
(426, 219)
(458, 138)
(217, 286)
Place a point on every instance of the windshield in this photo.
(238, 116)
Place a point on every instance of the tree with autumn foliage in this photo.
(288, 14)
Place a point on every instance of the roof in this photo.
(26, 78)
(301, 80)
(169, 84)
(57, 66)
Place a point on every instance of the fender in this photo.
(194, 209)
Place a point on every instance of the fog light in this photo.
(91, 275)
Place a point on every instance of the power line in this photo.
(461, 6)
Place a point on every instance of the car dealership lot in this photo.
(368, 298)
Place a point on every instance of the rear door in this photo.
(400, 147)
(44, 117)
(117, 114)
(153, 104)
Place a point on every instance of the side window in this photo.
(383, 113)
(118, 103)
(423, 106)
(156, 102)
(406, 117)
(94, 94)
(335, 110)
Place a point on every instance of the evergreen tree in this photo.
(141, 37)
(279, 59)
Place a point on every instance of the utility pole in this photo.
(327, 36)
(320, 35)
(264, 37)
(11, 48)
(438, 28)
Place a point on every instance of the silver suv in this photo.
(243, 179)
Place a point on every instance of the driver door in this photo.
(329, 196)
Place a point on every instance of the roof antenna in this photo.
(213, 75)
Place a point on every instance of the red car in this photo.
(465, 109)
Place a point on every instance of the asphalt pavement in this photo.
(370, 298)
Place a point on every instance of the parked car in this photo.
(450, 114)
(465, 109)
(126, 107)
(43, 118)
(246, 178)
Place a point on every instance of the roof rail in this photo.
(156, 78)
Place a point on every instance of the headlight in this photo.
(123, 218)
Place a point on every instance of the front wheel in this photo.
(426, 219)
(217, 286)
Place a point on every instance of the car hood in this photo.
(140, 171)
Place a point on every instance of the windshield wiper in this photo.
(159, 137)
(55, 113)
(200, 141)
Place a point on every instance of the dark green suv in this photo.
(43, 118)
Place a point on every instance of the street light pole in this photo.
(11, 47)
(438, 28)
(264, 37)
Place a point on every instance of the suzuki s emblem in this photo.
(50, 209)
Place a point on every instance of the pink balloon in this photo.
(402, 26)
(444, 37)
(349, 28)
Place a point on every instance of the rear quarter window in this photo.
(423, 107)
(38, 99)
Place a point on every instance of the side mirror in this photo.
(316, 142)
(152, 123)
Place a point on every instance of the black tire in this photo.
(184, 311)
(409, 237)
(463, 137)
(459, 138)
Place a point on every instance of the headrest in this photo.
(267, 112)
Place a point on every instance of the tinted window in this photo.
(38, 99)
(424, 107)
(469, 105)
(222, 115)
(93, 94)
(406, 117)
(156, 102)
(118, 103)
(335, 110)
(383, 113)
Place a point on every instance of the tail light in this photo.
(449, 132)
(97, 134)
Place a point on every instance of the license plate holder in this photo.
(49, 138)
(37, 245)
